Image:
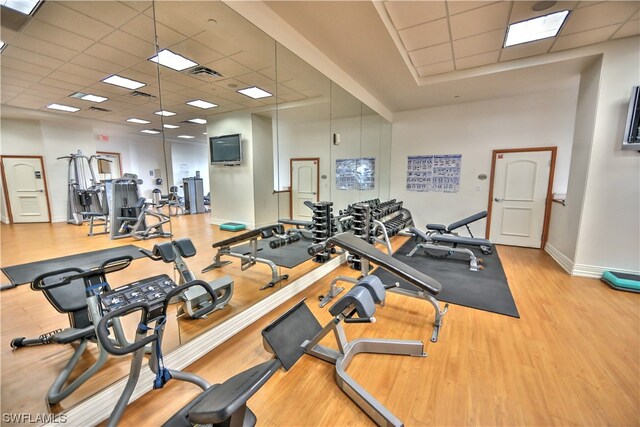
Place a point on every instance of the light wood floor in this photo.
(573, 358)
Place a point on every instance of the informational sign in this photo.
(439, 173)
(356, 174)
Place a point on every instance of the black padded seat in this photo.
(237, 239)
(356, 246)
(218, 403)
(164, 251)
(450, 238)
(360, 299)
(437, 227)
(70, 335)
(185, 247)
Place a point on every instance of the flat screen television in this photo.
(226, 149)
(631, 139)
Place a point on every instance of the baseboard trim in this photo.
(98, 407)
(596, 271)
(559, 257)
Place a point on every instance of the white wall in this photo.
(232, 186)
(474, 130)
(188, 158)
(610, 226)
(265, 201)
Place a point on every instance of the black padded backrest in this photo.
(66, 298)
(284, 336)
(237, 239)
(164, 251)
(467, 220)
(375, 287)
(185, 247)
(359, 299)
(356, 246)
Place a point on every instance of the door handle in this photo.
(497, 199)
(40, 191)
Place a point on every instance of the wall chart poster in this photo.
(439, 173)
(356, 174)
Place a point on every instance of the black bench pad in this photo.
(237, 239)
(467, 220)
(296, 222)
(357, 246)
(450, 238)
(437, 227)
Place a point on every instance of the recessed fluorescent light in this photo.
(165, 113)
(22, 6)
(201, 104)
(197, 121)
(168, 126)
(123, 82)
(2, 45)
(88, 97)
(538, 28)
(255, 92)
(151, 131)
(139, 121)
(172, 60)
(204, 133)
(186, 136)
(61, 107)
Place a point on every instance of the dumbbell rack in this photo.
(362, 227)
(323, 227)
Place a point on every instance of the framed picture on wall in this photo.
(109, 166)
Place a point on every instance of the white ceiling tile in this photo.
(584, 38)
(228, 67)
(406, 14)
(27, 101)
(21, 82)
(480, 20)
(142, 27)
(43, 31)
(178, 78)
(457, 6)
(599, 15)
(477, 60)
(166, 85)
(133, 45)
(256, 79)
(71, 78)
(112, 13)
(195, 51)
(44, 48)
(71, 87)
(56, 14)
(113, 55)
(585, 3)
(147, 68)
(97, 64)
(78, 70)
(190, 17)
(433, 69)
(424, 35)
(254, 60)
(523, 10)
(219, 42)
(18, 65)
(631, 28)
(526, 49)
(139, 5)
(485, 42)
(39, 88)
(31, 57)
(8, 95)
(431, 55)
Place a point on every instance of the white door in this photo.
(520, 188)
(26, 189)
(304, 187)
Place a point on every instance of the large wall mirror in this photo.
(209, 77)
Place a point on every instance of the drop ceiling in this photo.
(391, 48)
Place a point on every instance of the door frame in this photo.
(6, 190)
(547, 208)
(112, 153)
(291, 160)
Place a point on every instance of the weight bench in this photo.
(422, 286)
(449, 243)
(249, 259)
(298, 332)
(448, 229)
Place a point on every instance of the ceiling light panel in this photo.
(150, 131)
(61, 107)
(172, 60)
(88, 97)
(168, 126)
(201, 104)
(138, 121)
(535, 29)
(197, 121)
(255, 92)
(186, 136)
(2, 45)
(165, 113)
(22, 6)
(123, 82)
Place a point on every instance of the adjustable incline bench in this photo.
(448, 229)
(247, 260)
(420, 285)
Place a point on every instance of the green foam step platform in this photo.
(622, 281)
(232, 226)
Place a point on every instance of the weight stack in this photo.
(361, 227)
(323, 227)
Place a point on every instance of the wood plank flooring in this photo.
(573, 358)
